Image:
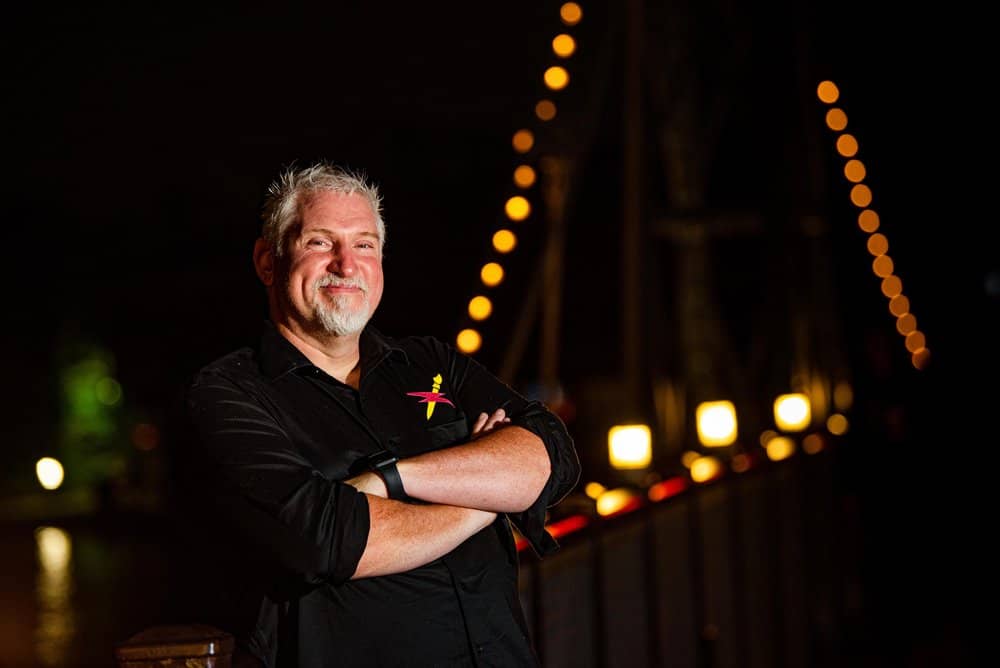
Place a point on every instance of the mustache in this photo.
(338, 282)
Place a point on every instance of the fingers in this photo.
(485, 423)
(499, 417)
(480, 423)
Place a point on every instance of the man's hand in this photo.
(485, 423)
(369, 482)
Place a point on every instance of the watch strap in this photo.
(383, 462)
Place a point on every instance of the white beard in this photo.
(337, 319)
(336, 316)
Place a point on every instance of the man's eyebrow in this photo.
(329, 232)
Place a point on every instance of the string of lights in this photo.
(518, 207)
(869, 223)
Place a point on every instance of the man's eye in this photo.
(366, 244)
(317, 242)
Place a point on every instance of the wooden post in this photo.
(181, 646)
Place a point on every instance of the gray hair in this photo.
(289, 194)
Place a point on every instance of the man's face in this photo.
(333, 268)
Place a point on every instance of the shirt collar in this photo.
(278, 356)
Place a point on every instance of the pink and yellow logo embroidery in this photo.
(433, 397)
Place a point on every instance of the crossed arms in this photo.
(326, 529)
(502, 469)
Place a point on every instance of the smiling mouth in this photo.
(332, 287)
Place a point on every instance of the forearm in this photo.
(404, 536)
(502, 471)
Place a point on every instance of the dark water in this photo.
(73, 588)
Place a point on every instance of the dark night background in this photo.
(140, 139)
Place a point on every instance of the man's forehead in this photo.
(323, 209)
(336, 200)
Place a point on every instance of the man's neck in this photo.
(339, 356)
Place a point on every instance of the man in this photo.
(362, 487)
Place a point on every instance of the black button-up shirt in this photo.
(272, 437)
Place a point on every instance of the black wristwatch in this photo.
(383, 462)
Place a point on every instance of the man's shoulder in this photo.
(242, 363)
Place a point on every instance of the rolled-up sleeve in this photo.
(563, 477)
(479, 390)
(313, 527)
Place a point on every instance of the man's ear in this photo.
(263, 261)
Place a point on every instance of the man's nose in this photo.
(343, 262)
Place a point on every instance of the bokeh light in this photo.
(563, 45)
(480, 307)
(827, 92)
(50, 472)
(556, 77)
(523, 140)
(491, 274)
(469, 341)
(504, 241)
(570, 13)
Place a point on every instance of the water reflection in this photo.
(53, 592)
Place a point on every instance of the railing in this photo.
(752, 570)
